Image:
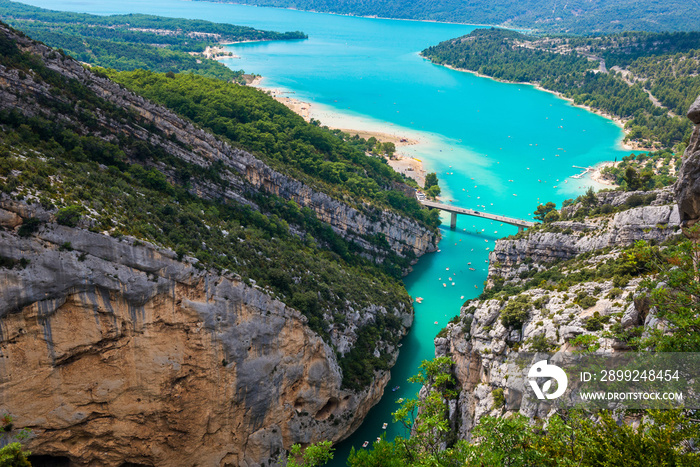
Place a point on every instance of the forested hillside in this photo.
(128, 42)
(575, 16)
(645, 79)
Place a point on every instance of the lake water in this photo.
(502, 148)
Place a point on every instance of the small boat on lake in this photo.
(384, 426)
(365, 444)
(395, 389)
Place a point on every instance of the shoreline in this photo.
(628, 146)
(597, 174)
(401, 162)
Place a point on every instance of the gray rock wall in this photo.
(113, 352)
(688, 185)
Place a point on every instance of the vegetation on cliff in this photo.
(569, 438)
(129, 42)
(77, 155)
(643, 88)
(649, 171)
(250, 119)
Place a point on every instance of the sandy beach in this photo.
(215, 53)
(401, 162)
(597, 174)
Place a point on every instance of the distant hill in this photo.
(648, 80)
(573, 16)
(130, 42)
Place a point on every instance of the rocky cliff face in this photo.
(245, 173)
(688, 185)
(113, 352)
(484, 344)
(566, 239)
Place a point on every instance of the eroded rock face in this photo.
(244, 172)
(511, 257)
(688, 185)
(116, 352)
(486, 350)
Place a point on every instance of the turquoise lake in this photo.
(502, 148)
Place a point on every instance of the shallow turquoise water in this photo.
(479, 134)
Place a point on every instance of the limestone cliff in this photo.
(688, 185)
(559, 282)
(566, 239)
(245, 173)
(114, 352)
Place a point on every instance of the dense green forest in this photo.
(573, 16)
(121, 185)
(666, 68)
(254, 121)
(129, 42)
(644, 171)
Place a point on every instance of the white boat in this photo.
(384, 426)
(365, 444)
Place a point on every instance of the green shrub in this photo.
(516, 311)
(585, 301)
(499, 399)
(69, 216)
(614, 293)
(586, 342)
(540, 343)
(596, 322)
(29, 226)
(13, 456)
(621, 281)
(541, 302)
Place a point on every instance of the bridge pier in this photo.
(453, 221)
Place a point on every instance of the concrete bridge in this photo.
(521, 224)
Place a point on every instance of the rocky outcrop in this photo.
(488, 354)
(112, 351)
(688, 185)
(567, 239)
(244, 172)
(486, 347)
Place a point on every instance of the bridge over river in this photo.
(521, 224)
